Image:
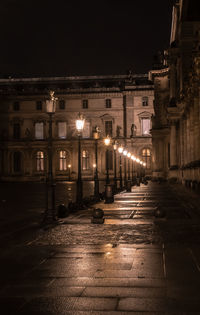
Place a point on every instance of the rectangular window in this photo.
(62, 130)
(108, 128)
(108, 103)
(16, 106)
(40, 161)
(39, 130)
(85, 103)
(145, 101)
(62, 104)
(86, 130)
(146, 126)
(16, 131)
(85, 160)
(63, 161)
(39, 105)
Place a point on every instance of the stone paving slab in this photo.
(149, 267)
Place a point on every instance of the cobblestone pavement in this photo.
(134, 263)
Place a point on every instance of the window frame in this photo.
(85, 160)
(39, 138)
(62, 104)
(62, 160)
(145, 101)
(108, 103)
(85, 104)
(40, 161)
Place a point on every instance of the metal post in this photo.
(132, 173)
(107, 168)
(115, 172)
(129, 169)
(125, 178)
(120, 172)
(96, 178)
(79, 192)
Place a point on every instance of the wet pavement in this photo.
(134, 263)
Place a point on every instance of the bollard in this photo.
(109, 197)
(128, 185)
(97, 216)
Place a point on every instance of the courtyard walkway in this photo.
(134, 263)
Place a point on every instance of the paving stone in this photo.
(142, 304)
(124, 292)
(88, 303)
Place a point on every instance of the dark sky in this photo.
(62, 37)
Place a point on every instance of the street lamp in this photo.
(120, 150)
(125, 154)
(96, 178)
(69, 171)
(133, 159)
(128, 184)
(107, 143)
(50, 212)
(108, 187)
(79, 126)
(115, 167)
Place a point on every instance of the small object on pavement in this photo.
(97, 216)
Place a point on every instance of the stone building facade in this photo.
(176, 123)
(120, 106)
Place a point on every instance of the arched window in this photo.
(62, 160)
(17, 161)
(40, 161)
(85, 160)
(146, 157)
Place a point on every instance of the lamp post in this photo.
(120, 150)
(50, 212)
(128, 184)
(108, 187)
(132, 160)
(79, 189)
(69, 171)
(125, 154)
(115, 167)
(138, 173)
(96, 178)
(107, 143)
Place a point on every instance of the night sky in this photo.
(62, 38)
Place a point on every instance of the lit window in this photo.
(146, 126)
(39, 130)
(40, 161)
(108, 103)
(85, 103)
(86, 130)
(108, 128)
(62, 160)
(146, 157)
(85, 160)
(145, 101)
(62, 130)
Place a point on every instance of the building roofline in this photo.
(71, 78)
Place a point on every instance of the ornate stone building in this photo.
(176, 124)
(120, 106)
